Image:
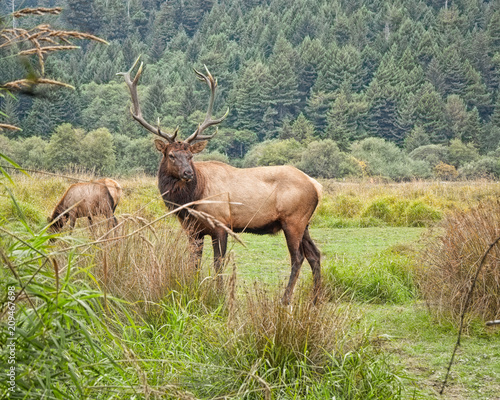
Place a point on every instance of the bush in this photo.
(445, 172)
(234, 144)
(212, 156)
(139, 155)
(323, 159)
(98, 152)
(450, 262)
(274, 152)
(401, 212)
(432, 154)
(381, 209)
(418, 137)
(417, 213)
(31, 152)
(386, 159)
(347, 206)
(485, 167)
(64, 148)
(461, 153)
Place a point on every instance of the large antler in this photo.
(136, 109)
(212, 84)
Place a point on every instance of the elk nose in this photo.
(187, 175)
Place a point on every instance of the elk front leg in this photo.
(196, 245)
(219, 243)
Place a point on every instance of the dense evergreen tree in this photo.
(281, 88)
(82, 14)
(248, 105)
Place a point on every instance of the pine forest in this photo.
(338, 88)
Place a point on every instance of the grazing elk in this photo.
(87, 199)
(261, 200)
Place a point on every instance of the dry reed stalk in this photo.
(9, 127)
(40, 41)
(36, 11)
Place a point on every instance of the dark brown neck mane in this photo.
(176, 192)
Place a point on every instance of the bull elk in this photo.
(86, 199)
(262, 200)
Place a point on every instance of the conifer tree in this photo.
(429, 113)
(493, 32)
(454, 71)
(317, 107)
(476, 95)
(281, 86)
(247, 97)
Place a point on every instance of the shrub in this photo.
(420, 214)
(31, 152)
(323, 159)
(386, 159)
(139, 155)
(98, 152)
(347, 206)
(212, 156)
(418, 137)
(461, 153)
(445, 172)
(432, 154)
(234, 144)
(450, 262)
(381, 209)
(274, 152)
(64, 148)
(485, 167)
(5, 146)
(401, 212)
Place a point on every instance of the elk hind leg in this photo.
(313, 257)
(294, 242)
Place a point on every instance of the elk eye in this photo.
(171, 156)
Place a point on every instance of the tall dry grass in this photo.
(451, 260)
(300, 332)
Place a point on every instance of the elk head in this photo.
(177, 155)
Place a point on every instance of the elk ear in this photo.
(160, 145)
(197, 147)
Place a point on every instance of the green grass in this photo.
(423, 348)
(266, 257)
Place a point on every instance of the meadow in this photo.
(123, 314)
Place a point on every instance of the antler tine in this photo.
(135, 110)
(212, 84)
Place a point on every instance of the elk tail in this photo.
(318, 187)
